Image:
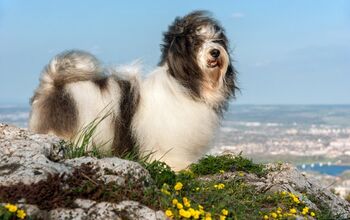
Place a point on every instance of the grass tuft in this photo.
(216, 164)
(82, 144)
(161, 173)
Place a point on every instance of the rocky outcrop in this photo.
(285, 177)
(27, 167)
(35, 176)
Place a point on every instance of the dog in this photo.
(172, 114)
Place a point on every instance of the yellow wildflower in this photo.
(266, 217)
(185, 213)
(21, 214)
(178, 186)
(221, 171)
(169, 213)
(240, 174)
(191, 210)
(293, 211)
(312, 214)
(208, 216)
(179, 206)
(283, 193)
(273, 215)
(200, 207)
(222, 217)
(296, 199)
(306, 209)
(219, 186)
(224, 212)
(279, 210)
(186, 202)
(195, 214)
(175, 201)
(11, 208)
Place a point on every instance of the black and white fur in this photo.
(173, 113)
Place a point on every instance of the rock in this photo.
(90, 210)
(288, 178)
(285, 177)
(25, 158)
(26, 161)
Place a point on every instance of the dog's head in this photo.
(195, 49)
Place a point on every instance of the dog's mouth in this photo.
(213, 63)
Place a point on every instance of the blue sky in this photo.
(286, 52)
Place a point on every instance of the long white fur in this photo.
(93, 104)
(170, 124)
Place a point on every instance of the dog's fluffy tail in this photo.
(53, 107)
(71, 66)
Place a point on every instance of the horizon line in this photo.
(11, 105)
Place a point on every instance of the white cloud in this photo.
(237, 15)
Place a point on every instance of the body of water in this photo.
(333, 170)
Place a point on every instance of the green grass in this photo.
(82, 144)
(214, 164)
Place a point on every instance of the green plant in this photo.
(134, 155)
(161, 173)
(82, 144)
(216, 164)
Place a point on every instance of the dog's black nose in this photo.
(215, 53)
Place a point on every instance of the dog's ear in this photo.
(230, 81)
(182, 64)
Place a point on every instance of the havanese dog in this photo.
(173, 113)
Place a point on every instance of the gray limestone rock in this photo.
(29, 158)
